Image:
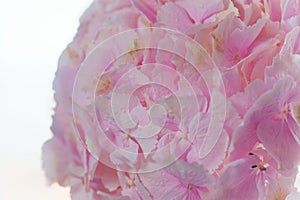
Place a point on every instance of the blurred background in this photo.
(33, 33)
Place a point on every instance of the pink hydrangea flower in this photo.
(179, 99)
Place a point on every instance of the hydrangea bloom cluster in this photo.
(179, 99)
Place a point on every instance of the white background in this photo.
(33, 33)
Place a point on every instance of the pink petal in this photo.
(244, 100)
(292, 42)
(238, 181)
(200, 10)
(174, 16)
(191, 173)
(290, 8)
(215, 158)
(249, 12)
(147, 7)
(108, 176)
(280, 143)
(273, 9)
(56, 161)
(218, 115)
(160, 183)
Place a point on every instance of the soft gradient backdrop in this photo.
(33, 33)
